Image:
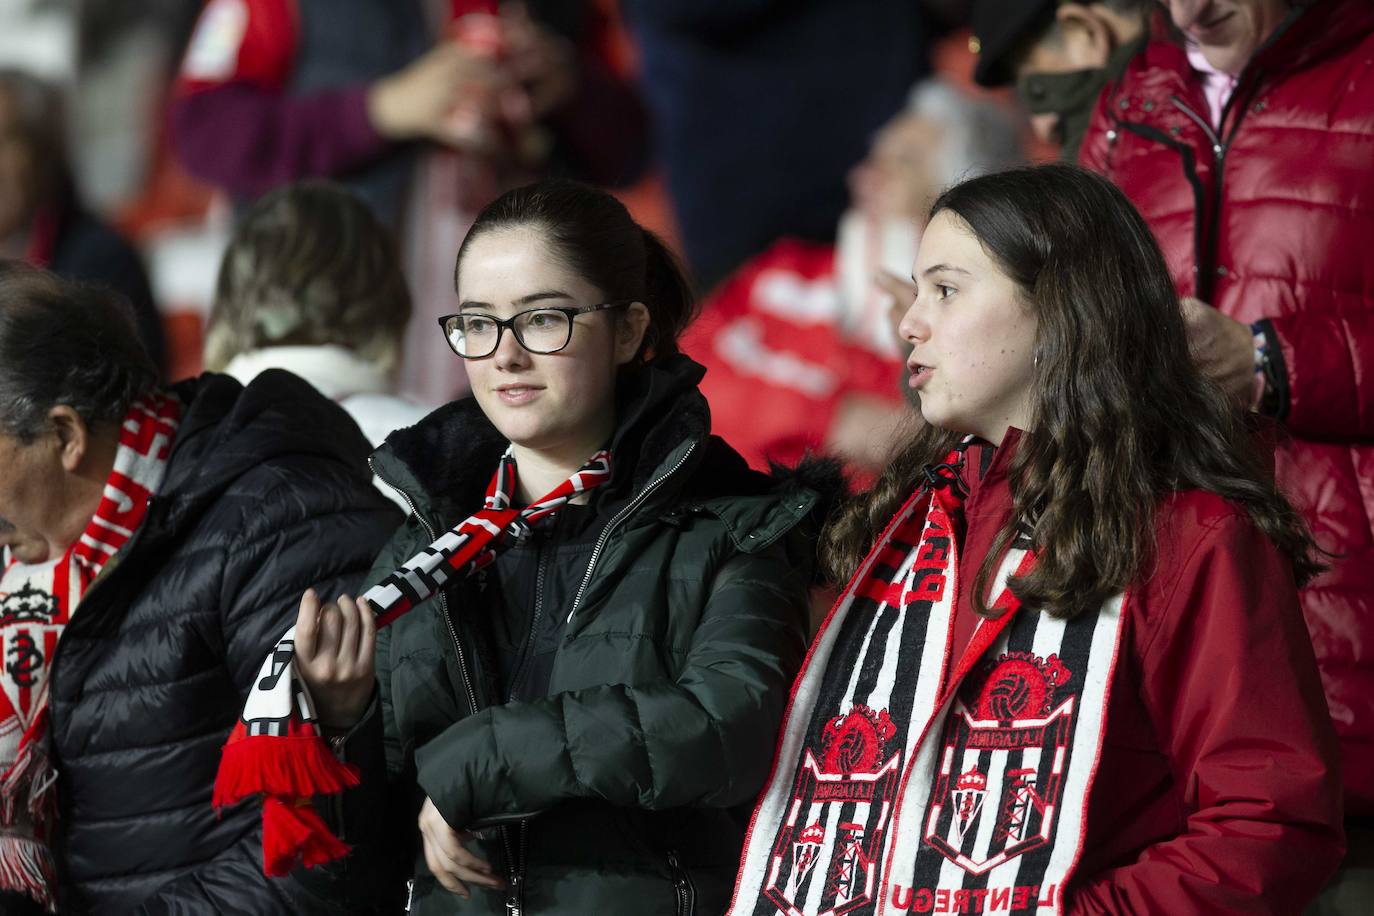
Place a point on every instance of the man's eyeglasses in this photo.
(475, 335)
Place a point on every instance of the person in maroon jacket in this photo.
(1069, 672)
(1245, 135)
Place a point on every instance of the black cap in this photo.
(1000, 27)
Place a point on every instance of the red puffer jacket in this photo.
(1214, 793)
(1272, 218)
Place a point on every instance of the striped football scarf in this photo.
(36, 603)
(276, 748)
(895, 790)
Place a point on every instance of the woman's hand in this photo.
(448, 857)
(336, 644)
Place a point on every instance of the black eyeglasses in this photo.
(476, 335)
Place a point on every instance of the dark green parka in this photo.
(611, 792)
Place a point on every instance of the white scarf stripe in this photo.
(1101, 668)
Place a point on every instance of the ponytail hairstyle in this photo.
(595, 237)
(1120, 414)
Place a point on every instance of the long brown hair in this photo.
(1120, 414)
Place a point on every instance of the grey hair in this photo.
(309, 264)
(977, 137)
(65, 343)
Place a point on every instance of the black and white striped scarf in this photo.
(897, 790)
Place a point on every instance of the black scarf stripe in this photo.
(1074, 651)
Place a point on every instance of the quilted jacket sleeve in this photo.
(1231, 685)
(705, 738)
(323, 536)
(1328, 363)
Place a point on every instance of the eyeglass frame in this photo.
(502, 324)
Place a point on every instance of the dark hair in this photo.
(309, 264)
(65, 343)
(595, 236)
(1120, 414)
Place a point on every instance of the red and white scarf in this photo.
(36, 604)
(276, 748)
(897, 789)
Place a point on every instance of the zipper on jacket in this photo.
(620, 517)
(1200, 121)
(682, 885)
(515, 890)
(443, 598)
(1204, 245)
(522, 662)
(515, 865)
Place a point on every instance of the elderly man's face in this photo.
(895, 179)
(1227, 31)
(34, 492)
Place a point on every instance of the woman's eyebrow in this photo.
(947, 268)
(543, 294)
(540, 296)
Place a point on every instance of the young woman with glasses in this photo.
(1069, 673)
(588, 690)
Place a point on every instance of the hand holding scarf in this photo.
(276, 749)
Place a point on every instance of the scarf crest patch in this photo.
(277, 749)
(37, 601)
(894, 791)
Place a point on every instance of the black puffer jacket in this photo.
(267, 493)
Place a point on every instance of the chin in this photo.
(26, 550)
(933, 415)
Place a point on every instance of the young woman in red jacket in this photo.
(1069, 673)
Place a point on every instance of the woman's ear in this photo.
(630, 331)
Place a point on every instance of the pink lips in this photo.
(515, 395)
(919, 374)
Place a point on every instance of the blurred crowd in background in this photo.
(787, 152)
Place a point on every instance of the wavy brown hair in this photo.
(1120, 414)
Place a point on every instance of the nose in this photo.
(510, 356)
(913, 327)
